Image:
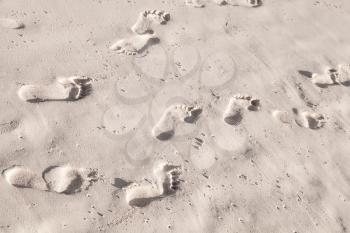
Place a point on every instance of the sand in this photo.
(253, 101)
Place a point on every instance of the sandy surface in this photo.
(272, 171)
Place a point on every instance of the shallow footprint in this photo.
(311, 120)
(166, 182)
(65, 88)
(134, 44)
(194, 3)
(164, 129)
(67, 179)
(234, 111)
(23, 177)
(146, 18)
(11, 23)
(7, 127)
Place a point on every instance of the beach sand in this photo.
(211, 119)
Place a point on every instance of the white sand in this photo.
(283, 168)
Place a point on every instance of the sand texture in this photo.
(181, 116)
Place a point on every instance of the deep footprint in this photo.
(67, 179)
(234, 111)
(166, 182)
(311, 120)
(147, 18)
(164, 129)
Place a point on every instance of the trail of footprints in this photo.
(70, 180)
(166, 177)
(59, 179)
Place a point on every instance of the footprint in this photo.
(233, 114)
(23, 177)
(11, 23)
(249, 3)
(282, 116)
(8, 126)
(311, 120)
(146, 18)
(134, 44)
(67, 179)
(166, 183)
(343, 76)
(164, 129)
(195, 3)
(329, 77)
(65, 88)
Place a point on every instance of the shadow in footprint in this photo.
(67, 180)
(346, 83)
(163, 136)
(194, 115)
(142, 202)
(305, 73)
(120, 183)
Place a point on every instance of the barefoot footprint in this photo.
(22, 177)
(133, 44)
(67, 179)
(332, 76)
(343, 76)
(233, 114)
(146, 18)
(329, 77)
(164, 129)
(166, 183)
(311, 120)
(65, 88)
(64, 179)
